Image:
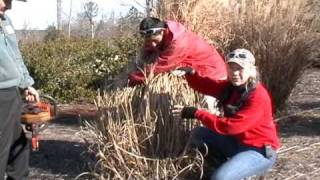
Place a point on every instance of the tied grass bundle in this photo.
(136, 136)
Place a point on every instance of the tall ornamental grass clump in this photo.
(136, 136)
(283, 36)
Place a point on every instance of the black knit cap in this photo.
(151, 22)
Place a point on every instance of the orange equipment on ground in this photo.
(36, 115)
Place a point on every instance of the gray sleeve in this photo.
(25, 79)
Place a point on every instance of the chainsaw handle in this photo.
(52, 101)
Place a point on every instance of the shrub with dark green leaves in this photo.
(73, 69)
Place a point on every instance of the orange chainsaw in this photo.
(36, 115)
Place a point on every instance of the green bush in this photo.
(73, 69)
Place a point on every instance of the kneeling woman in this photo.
(245, 133)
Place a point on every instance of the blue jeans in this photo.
(243, 161)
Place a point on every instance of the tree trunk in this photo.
(92, 30)
(69, 20)
(59, 27)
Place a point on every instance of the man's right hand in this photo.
(31, 94)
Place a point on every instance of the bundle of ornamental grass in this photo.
(137, 137)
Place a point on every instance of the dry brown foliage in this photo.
(283, 35)
(136, 136)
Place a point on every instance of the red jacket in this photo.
(186, 49)
(252, 125)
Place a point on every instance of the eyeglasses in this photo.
(150, 32)
(236, 55)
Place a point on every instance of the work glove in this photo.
(188, 112)
(230, 110)
(182, 71)
(179, 112)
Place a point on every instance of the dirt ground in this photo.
(61, 148)
(299, 157)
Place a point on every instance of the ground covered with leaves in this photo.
(62, 153)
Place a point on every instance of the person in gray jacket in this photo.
(14, 77)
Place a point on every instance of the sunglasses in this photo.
(150, 32)
(236, 55)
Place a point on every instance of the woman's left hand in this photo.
(184, 112)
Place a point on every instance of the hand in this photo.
(31, 94)
(184, 112)
(182, 71)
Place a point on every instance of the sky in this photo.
(39, 14)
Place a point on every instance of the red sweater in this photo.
(185, 49)
(252, 125)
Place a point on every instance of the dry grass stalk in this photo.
(279, 34)
(284, 35)
(205, 17)
(137, 137)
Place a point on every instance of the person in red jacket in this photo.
(244, 136)
(168, 46)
